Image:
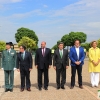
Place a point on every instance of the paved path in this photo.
(88, 93)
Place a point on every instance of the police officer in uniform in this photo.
(9, 65)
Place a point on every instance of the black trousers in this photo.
(46, 79)
(25, 76)
(61, 76)
(79, 72)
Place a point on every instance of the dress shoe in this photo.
(6, 90)
(71, 87)
(22, 90)
(63, 87)
(58, 88)
(11, 90)
(46, 88)
(96, 85)
(81, 87)
(28, 89)
(40, 88)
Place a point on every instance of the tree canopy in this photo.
(21, 32)
(28, 43)
(2, 45)
(69, 39)
(98, 43)
(55, 47)
(86, 46)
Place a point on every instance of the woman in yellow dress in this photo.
(94, 63)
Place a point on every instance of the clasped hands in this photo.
(96, 63)
(55, 67)
(77, 62)
(37, 66)
(19, 69)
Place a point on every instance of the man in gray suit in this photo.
(60, 63)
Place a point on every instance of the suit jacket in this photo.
(40, 60)
(26, 62)
(58, 61)
(9, 60)
(73, 56)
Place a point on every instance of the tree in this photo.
(55, 47)
(2, 45)
(98, 43)
(86, 46)
(21, 32)
(58, 42)
(66, 40)
(28, 43)
(69, 39)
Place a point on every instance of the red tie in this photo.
(43, 52)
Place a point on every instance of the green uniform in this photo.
(8, 64)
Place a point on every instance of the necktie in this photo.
(61, 53)
(22, 54)
(8, 52)
(43, 52)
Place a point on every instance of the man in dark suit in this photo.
(77, 60)
(43, 62)
(9, 65)
(24, 66)
(60, 63)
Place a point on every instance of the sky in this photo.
(50, 19)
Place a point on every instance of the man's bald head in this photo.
(43, 44)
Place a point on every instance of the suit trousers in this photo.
(79, 72)
(94, 78)
(60, 76)
(46, 78)
(9, 79)
(25, 76)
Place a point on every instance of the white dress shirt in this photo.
(9, 50)
(77, 51)
(44, 50)
(61, 51)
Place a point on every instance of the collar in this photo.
(23, 52)
(60, 50)
(9, 49)
(43, 48)
(77, 47)
(93, 48)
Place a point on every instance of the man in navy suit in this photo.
(76, 56)
(43, 62)
(24, 66)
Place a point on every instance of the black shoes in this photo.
(6, 90)
(46, 88)
(40, 88)
(63, 87)
(58, 88)
(11, 90)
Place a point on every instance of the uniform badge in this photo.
(12, 53)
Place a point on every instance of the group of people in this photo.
(23, 62)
